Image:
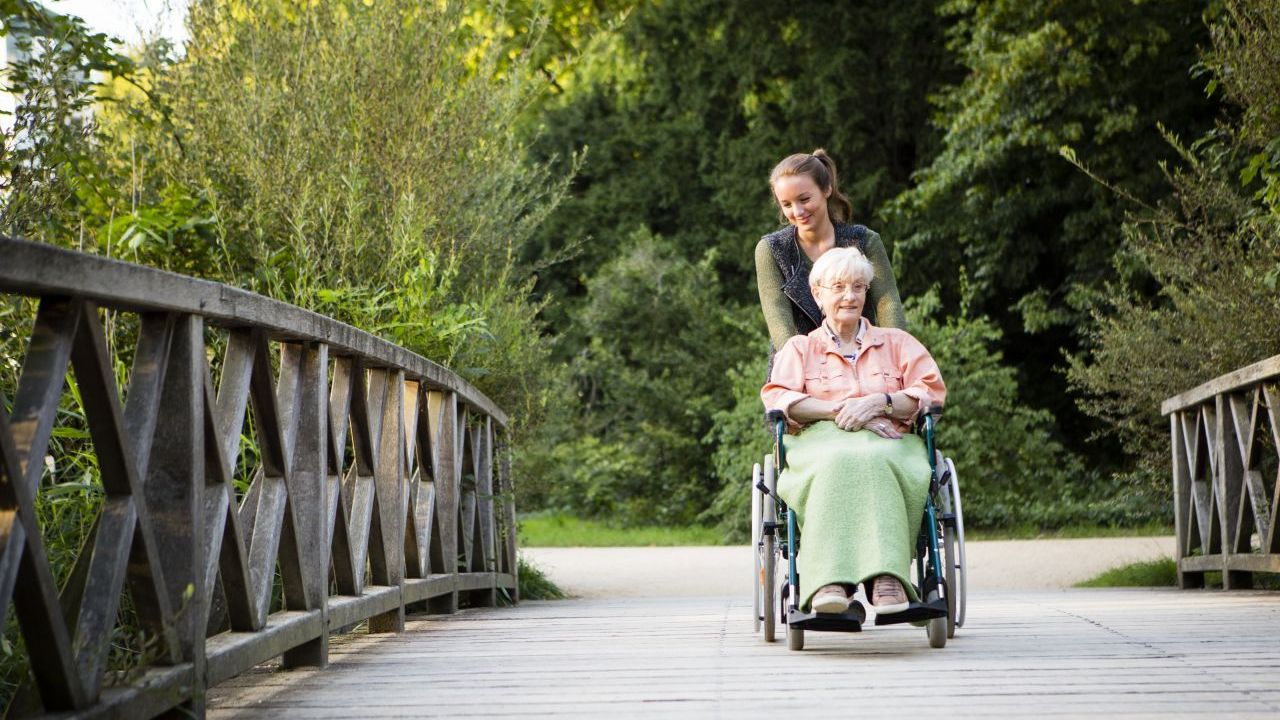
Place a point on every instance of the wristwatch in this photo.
(888, 405)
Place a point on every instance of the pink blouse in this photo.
(890, 361)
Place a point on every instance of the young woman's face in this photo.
(803, 203)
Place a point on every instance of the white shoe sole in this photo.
(830, 604)
(891, 609)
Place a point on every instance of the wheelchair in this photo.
(939, 554)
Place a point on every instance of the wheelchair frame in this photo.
(939, 558)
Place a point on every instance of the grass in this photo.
(1153, 573)
(1029, 532)
(559, 530)
(534, 583)
(562, 530)
(1164, 573)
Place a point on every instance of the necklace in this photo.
(856, 345)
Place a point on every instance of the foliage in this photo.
(350, 157)
(639, 394)
(687, 107)
(1036, 237)
(534, 583)
(1151, 573)
(740, 438)
(1214, 251)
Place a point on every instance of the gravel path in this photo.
(720, 571)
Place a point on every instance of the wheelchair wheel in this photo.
(767, 602)
(938, 627)
(795, 638)
(768, 558)
(755, 546)
(957, 587)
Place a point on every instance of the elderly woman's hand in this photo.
(883, 427)
(855, 413)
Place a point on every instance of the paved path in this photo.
(1073, 653)
(694, 571)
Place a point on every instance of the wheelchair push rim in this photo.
(958, 563)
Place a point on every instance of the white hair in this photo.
(841, 265)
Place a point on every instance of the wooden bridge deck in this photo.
(1074, 653)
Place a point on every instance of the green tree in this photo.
(684, 110)
(354, 158)
(1036, 237)
(687, 107)
(1213, 248)
(640, 395)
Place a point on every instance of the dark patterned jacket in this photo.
(795, 272)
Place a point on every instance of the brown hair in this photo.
(819, 166)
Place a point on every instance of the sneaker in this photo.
(830, 599)
(888, 597)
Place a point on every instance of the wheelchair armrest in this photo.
(934, 412)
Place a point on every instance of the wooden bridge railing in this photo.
(380, 479)
(1226, 485)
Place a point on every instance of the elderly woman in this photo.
(856, 477)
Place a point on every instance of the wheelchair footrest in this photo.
(848, 621)
(915, 613)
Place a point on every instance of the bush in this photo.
(1212, 250)
(637, 399)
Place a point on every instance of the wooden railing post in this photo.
(448, 490)
(174, 496)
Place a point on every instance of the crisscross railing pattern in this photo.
(379, 479)
(1226, 479)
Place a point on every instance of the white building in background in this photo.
(10, 52)
(17, 33)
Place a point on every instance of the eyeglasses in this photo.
(841, 288)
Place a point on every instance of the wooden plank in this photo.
(141, 412)
(234, 652)
(1235, 380)
(289, 396)
(174, 493)
(1201, 563)
(308, 488)
(147, 696)
(1249, 562)
(37, 269)
(48, 642)
(345, 610)
(445, 430)
(419, 589)
(386, 558)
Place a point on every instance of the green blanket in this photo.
(859, 499)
